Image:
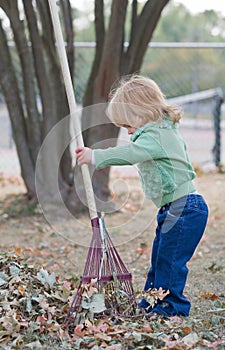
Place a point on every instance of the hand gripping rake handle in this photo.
(72, 104)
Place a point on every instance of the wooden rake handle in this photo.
(72, 104)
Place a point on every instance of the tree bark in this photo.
(27, 126)
(111, 61)
(103, 78)
(133, 19)
(100, 37)
(33, 118)
(40, 68)
(143, 28)
(9, 85)
(59, 99)
(69, 33)
(113, 47)
(39, 64)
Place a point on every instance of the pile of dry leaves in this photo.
(34, 304)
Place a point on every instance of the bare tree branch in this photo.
(99, 23)
(146, 24)
(133, 19)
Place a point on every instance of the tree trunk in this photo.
(105, 75)
(111, 61)
(28, 127)
(113, 47)
(68, 25)
(100, 37)
(42, 79)
(60, 107)
(11, 93)
(32, 114)
(39, 63)
(142, 29)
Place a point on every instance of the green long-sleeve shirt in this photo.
(160, 153)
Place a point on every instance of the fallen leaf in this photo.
(190, 339)
(218, 217)
(44, 277)
(2, 281)
(95, 304)
(79, 330)
(208, 295)
(34, 345)
(152, 295)
(114, 347)
(103, 336)
(41, 319)
(187, 330)
(146, 329)
(17, 251)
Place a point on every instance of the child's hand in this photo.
(83, 155)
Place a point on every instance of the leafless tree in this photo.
(40, 79)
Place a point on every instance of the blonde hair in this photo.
(138, 100)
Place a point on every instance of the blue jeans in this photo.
(181, 225)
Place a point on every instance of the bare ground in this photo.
(61, 245)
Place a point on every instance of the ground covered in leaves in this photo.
(41, 263)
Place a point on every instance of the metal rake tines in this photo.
(105, 271)
(107, 261)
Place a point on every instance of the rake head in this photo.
(106, 285)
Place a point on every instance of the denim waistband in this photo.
(183, 199)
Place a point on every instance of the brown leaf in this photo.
(143, 251)
(79, 330)
(21, 290)
(41, 319)
(187, 330)
(88, 289)
(218, 217)
(131, 208)
(103, 336)
(43, 303)
(146, 329)
(101, 327)
(114, 347)
(153, 294)
(117, 333)
(208, 295)
(17, 251)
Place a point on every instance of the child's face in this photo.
(130, 129)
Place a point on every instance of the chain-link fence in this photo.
(179, 69)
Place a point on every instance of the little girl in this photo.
(166, 176)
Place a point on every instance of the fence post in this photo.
(217, 114)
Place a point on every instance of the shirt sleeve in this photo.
(143, 149)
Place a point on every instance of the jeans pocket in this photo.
(197, 203)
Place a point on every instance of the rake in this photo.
(103, 264)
